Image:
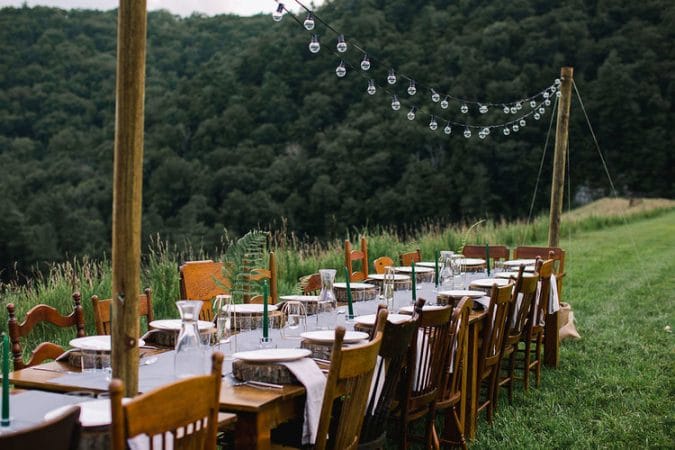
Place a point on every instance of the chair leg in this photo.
(538, 356)
(526, 366)
(403, 435)
(512, 374)
(429, 429)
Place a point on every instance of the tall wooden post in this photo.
(551, 344)
(127, 190)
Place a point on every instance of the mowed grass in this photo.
(614, 387)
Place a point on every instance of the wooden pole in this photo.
(551, 344)
(127, 190)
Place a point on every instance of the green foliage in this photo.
(240, 257)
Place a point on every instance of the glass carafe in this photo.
(327, 304)
(189, 355)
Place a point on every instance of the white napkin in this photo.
(516, 310)
(553, 301)
(309, 374)
(377, 382)
(142, 442)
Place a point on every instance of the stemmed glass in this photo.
(295, 320)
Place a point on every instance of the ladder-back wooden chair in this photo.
(186, 410)
(311, 284)
(381, 263)
(494, 329)
(59, 433)
(555, 253)
(36, 315)
(427, 361)
(357, 255)
(102, 311)
(269, 274)
(496, 252)
(198, 282)
(408, 258)
(450, 401)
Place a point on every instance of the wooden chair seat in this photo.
(59, 433)
(102, 311)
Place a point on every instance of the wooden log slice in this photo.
(358, 295)
(254, 321)
(399, 285)
(318, 349)
(266, 372)
(102, 359)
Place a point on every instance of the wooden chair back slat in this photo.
(408, 258)
(555, 253)
(357, 255)
(381, 263)
(269, 274)
(478, 251)
(495, 326)
(198, 282)
(311, 284)
(538, 315)
(102, 317)
(40, 314)
(59, 433)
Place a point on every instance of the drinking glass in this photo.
(326, 316)
(388, 287)
(295, 320)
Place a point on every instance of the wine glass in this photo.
(295, 320)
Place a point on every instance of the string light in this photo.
(547, 102)
(558, 94)
(309, 21)
(371, 87)
(391, 78)
(435, 97)
(533, 104)
(279, 13)
(464, 109)
(314, 45)
(513, 110)
(412, 90)
(537, 116)
(395, 104)
(411, 113)
(482, 109)
(522, 122)
(341, 70)
(341, 44)
(447, 129)
(515, 127)
(445, 103)
(506, 109)
(467, 133)
(365, 63)
(506, 131)
(433, 125)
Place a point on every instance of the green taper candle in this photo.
(487, 258)
(266, 319)
(350, 307)
(414, 283)
(5, 380)
(436, 256)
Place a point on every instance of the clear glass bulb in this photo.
(515, 127)
(341, 44)
(553, 89)
(522, 122)
(537, 116)
(391, 78)
(542, 110)
(533, 104)
(341, 70)
(444, 103)
(433, 125)
(513, 110)
(546, 94)
(371, 87)
(309, 22)
(447, 129)
(486, 131)
(395, 104)
(481, 135)
(279, 13)
(365, 63)
(558, 94)
(464, 109)
(411, 113)
(506, 131)
(412, 90)
(547, 102)
(557, 81)
(519, 106)
(506, 109)
(314, 45)
(435, 97)
(467, 133)
(483, 109)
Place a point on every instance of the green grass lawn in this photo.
(614, 387)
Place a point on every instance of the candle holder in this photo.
(266, 343)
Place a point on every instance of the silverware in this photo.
(255, 384)
(47, 369)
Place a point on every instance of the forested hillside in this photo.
(244, 126)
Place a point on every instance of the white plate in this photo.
(273, 354)
(354, 285)
(95, 413)
(419, 268)
(253, 308)
(327, 336)
(370, 319)
(300, 298)
(175, 324)
(488, 282)
(470, 261)
(513, 274)
(462, 293)
(99, 343)
(397, 277)
(427, 264)
(518, 262)
(409, 309)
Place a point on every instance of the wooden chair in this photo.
(357, 255)
(59, 433)
(198, 282)
(186, 410)
(494, 329)
(526, 289)
(102, 311)
(427, 362)
(532, 337)
(408, 258)
(311, 284)
(478, 251)
(269, 274)
(396, 342)
(381, 263)
(38, 314)
(449, 402)
(555, 253)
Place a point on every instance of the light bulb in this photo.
(365, 63)
(533, 104)
(553, 89)
(447, 129)
(546, 94)
(506, 131)
(309, 21)
(467, 133)
(341, 70)
(433, 125)
(341, 44)
(391, 78)
(314, 45)
(371, 87)
(279, 13)
(537, 116)
(547, 102)
(464, 109)
(435, 97)
(395, 104)
(557, 81)
(519, 106)
(444, 103)
(513, 110)
(515, 127)
(411, 113)
(542, 110)
(558, 94)
(506, 109)
(412, 90)
(481, 134)
(483, 109)
(486, 131)
(522, 122)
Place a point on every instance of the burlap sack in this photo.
(566, 327)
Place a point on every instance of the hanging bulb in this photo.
(371, 87)
(279, 13)
(391, 78)
(537, 116)
(519, 106)
(464, 108)
(395, 104)
(483, 109)
(314, 45)
(486, 131)
(341, 70)
(447, 129)
(513, 110)
(444, 103)
(542, 110)
(433, 125)
(506, 109)
(533, 104)
(558, 94)
(547, 102)
(553, 89)
(411, 113)
(341, 44)
(467, 133)
(522, 122)
(412, 90)
(309, 21)
(506, 131)
(435, 97)
(365, 63)
(546, 94)
(557, 82)
(481, 134)
(515, 127)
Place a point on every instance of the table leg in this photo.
(251, 432)
(551, 343)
